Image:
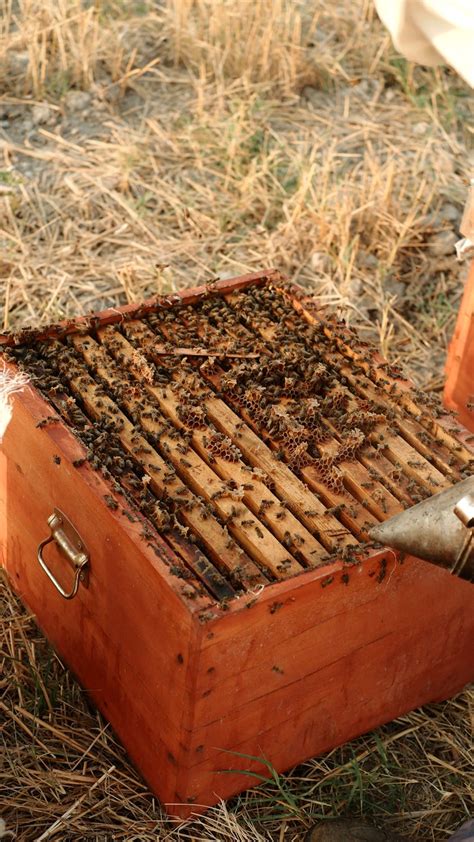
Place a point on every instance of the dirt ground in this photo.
(146, 146)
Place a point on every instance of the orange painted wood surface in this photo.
(459, 387)
(284, 673)
(322, 659)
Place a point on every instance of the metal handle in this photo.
(71, 546)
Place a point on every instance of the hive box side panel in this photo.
(316, 662)
(459, 387)
(128, 637)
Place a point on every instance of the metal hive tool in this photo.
(258, 439)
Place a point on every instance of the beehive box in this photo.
(459, 388)
(222, 454)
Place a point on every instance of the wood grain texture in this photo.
(102, 408)
(325, 664)
(397, 450)
(258, 497)
(399, 390)
(301, 501)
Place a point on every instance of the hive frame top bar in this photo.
(114, 315)
(301, 298)
(188, 297)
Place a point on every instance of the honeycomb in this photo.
(222, 447)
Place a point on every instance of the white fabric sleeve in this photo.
(432, 31)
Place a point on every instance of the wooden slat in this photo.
(381, 471)
(295, 494)
(256, 540)
(209, 575)
(408, 454)
(356, 477)
(256, 495)
(225, 554)
(166, 351)
(400, 452)
(353, 515)
(412, 431)
(69, 409)
(397, 391)
(117, 315)
(355, 518)
(289, 488)
(405, 452)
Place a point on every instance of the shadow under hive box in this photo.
(214, 461)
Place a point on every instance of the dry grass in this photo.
(219, 137)
(60, 42)
(265, 44)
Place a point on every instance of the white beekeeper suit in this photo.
(433, 31)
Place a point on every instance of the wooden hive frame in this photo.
(278, 634)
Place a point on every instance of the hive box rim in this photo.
(114, 315)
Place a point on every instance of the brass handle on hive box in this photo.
(70, 545)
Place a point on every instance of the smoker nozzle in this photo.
(439, 529)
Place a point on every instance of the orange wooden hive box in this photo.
(459, 388)
(216, 458)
